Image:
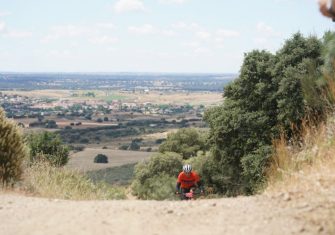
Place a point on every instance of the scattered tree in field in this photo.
(134, 146)
(101, 158)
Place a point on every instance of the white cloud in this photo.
(96, 34)
(9, 33)
(186, 26)
(173, 1)
(144, 29)
(266, 37)
(103, 40)
(203, 35)
(60, 53)
(67, 31)
(128, 5)
(18, 34)
(4, 13)
(148, 29)
(167, 32)
(202, 50)
(266, 30)
(260, 40)
(106, 25)
(222, 34)
(2, 26)
(193, 44)
(227, 33)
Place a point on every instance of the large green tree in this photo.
(265, 100)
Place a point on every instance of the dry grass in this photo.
(40, 93)
(308, 165)
(179, 98)
(44, 180)
(83, 161)
(314, 148)
(305, 172)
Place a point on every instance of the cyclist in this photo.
(187, 179)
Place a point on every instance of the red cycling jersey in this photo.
(187, 181)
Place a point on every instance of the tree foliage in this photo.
(12, 151)
(100, 158)
(156, 178)
(186, 141)
(272, 95)
(49, 147)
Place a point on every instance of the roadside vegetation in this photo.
(44, 180)
(276, 97)
(118, 175)
(275, 126)
(13, 151)
(36, 164)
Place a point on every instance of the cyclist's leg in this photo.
(183, 191)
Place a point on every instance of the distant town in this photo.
(110, 110)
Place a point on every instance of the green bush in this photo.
(134, 146)
(48, 146)
(12, 151)
(101, 158)
(118, 175)
(147, 175)
(186, 141)
(159, 187)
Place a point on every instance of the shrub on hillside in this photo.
(186, 141)
(134, 146)
(51, 124)
(124, 147)
(48, 146)
(101, 158)
(159, 187)
(273, 94)
(152, 178)
(12, 151)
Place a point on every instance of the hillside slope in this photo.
(265, 214)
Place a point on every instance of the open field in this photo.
(40, 93)
(179, 98)
(154, 97)
(83, 161)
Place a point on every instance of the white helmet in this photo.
(187, 168)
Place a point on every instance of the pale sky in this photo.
(207, 36)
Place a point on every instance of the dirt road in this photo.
(243, 215)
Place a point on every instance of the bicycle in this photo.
(193, 194)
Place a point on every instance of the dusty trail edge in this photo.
(263, 214)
